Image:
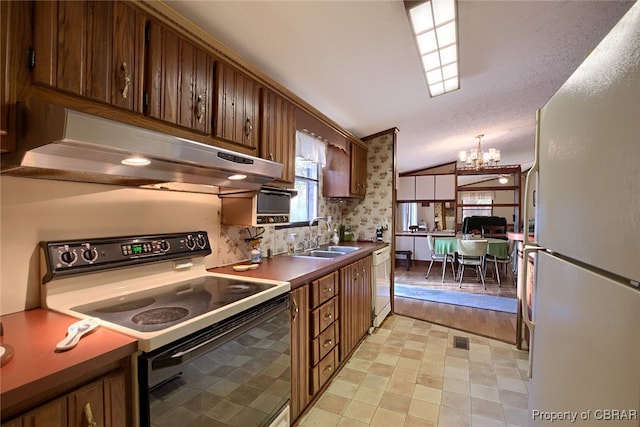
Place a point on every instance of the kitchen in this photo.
(40, 210)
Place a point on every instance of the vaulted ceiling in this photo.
(356, 62)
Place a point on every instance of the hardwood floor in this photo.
(488, 323)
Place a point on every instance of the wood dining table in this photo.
(499, 248)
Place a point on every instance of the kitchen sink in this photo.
(344, 249)
(328, 252)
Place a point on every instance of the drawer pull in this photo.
(89, 414)
(327, 290)
(327, 370)
(327, 317)
(296, 309)
(327, 343)
(126, 79)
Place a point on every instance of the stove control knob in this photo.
(68, 257)
(90, 255)
(191, 243)
(201, 241)
(164, 246)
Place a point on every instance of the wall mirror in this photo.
(425, 217)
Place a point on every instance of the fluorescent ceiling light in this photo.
(435, 28)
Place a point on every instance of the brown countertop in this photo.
(298, 270)
(36, 367)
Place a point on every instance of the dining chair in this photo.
(503, 261)
(443, 258)
(472, 252)
(496, 231)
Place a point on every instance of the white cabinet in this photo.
(406, 188)
(445, 187)
(425, 187)
(404, 243)
(421, 250)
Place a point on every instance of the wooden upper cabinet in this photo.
(358, 171)
(278, 132)
(179, 80)
(92, 49)
(237, 115)
(15, 39)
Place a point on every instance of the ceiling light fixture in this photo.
(435, 28)
(477, 158)
(503, 179)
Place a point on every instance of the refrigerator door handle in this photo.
(531, 324)
(531, 175)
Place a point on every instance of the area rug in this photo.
(485, 302)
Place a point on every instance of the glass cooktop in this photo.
(159, 308)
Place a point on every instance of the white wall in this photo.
(39, 210)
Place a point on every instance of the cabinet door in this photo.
(406, 188)
(358, 171)
(300, 351)
(445, 187)
(355, 304)
(404, 243)
(237, 117)
(421, 249)
(91, 49)
(127, 67)
(425, 187)
(15, 39)
(179, 83)
(52, 414)
(86, 405)
(278, 133)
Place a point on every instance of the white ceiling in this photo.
(355, 61)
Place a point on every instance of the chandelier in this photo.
(477, 158)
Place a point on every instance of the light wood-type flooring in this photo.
(488, 323)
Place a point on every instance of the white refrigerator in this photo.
(584, 352)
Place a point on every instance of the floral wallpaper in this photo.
(364, 216)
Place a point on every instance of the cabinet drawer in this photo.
(324, 343)
(323, 316)
(324, 289)
(324, 370)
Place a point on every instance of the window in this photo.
(304, 206)
(310, 156)
(478, 204)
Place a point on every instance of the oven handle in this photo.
(232, 331)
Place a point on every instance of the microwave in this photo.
(269, 206)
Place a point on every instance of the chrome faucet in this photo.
(316, 242)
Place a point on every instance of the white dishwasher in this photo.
(381, 286)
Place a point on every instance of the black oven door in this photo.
(233, 373)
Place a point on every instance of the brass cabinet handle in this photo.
(327, 370)
(248, 127)
(201, 108)
(296, 310)
(328, 317)
(271, 157)
(327, 290)
(127, 80)
(327, 343)
(88, 413)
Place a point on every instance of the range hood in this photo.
(63, 144)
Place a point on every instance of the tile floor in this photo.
(407, 373)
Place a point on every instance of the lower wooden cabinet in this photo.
(355, 304)
(300, 389)
(330, 316)
(102, 401)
